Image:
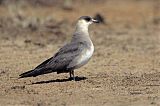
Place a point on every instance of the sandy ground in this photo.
(124, 70)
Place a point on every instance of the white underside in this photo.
(85, 57)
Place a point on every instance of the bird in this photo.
(71, 56)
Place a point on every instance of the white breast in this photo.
(85, 56)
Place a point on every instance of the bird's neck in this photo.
(81, 28)
(81, 33)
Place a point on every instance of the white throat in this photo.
(82, 26)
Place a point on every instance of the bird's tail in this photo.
(35, 72)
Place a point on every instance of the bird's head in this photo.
(85, 21)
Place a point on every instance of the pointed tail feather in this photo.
(30, 73)
(35, 72)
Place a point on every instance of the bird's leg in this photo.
(72, 72)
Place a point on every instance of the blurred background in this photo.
(123, 70)
(43, 18)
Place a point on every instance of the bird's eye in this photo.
(88, 19)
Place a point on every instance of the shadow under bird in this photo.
(72, 55)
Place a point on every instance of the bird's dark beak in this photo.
(95, 21)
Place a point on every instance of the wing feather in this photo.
(65, 55)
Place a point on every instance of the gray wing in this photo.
(63, 57)
(60, 62)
